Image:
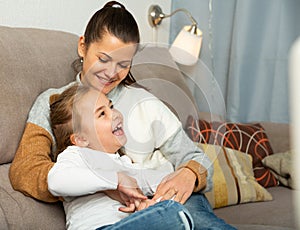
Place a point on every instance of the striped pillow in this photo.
(233, 179)
(247, 138)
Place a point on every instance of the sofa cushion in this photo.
(233, 179)
(248, 138)
(21, 212)
(277, 213)
(260, 227)
(31, 61)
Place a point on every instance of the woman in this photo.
(106, 51)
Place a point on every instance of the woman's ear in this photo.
(79, 140)
(81, 47)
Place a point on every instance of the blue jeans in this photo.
(203, 215)
(163, 215)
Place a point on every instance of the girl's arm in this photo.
(70, 176)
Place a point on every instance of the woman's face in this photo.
(105, 63)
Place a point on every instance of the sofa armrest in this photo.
(18, 211)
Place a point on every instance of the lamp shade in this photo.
(186, 46)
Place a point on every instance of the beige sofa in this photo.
(33, 60)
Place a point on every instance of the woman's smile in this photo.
(105, 80)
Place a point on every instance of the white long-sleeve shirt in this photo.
(149, 125)
(81, 171)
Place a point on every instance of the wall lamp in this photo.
(186, 47)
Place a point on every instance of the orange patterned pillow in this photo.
(247, 138)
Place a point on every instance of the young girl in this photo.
(89, 132)
(154, 134)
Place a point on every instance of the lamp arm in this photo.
(194, 22)
(155, 16)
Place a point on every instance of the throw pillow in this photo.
(233, 179)
(281, 165)
(248, 138)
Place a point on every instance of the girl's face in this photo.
(101, 124)
(105, 63)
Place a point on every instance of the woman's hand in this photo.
(178, 185)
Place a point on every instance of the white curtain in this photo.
(246, 46)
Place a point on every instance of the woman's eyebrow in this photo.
(126, 61)
(109, 57)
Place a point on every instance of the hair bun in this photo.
(114, 4)
(53, 98)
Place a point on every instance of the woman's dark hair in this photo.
(114, 19)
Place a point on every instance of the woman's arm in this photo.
(32, 162)
(183, 153)
(193, 169)
(175, 145)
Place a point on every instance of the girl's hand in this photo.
(127, 186)
(130, 205)
(129, 192)
(145, 204)
(178, 185)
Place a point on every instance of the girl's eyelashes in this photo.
(102, 114)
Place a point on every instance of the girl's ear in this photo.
(79, 140)
(81, 47)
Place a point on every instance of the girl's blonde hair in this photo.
(65, 118)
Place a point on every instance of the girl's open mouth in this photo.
(118, 130)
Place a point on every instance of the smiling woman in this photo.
(107, 33)
(105, 64)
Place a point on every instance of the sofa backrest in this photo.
(31, 60)
(154, 68)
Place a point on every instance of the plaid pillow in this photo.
(247, 138)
